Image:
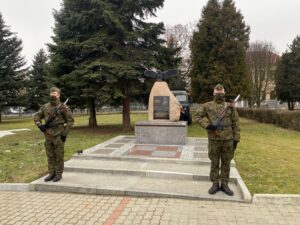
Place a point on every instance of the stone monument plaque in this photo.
(163, 127)
(163, 97)
(161, 105)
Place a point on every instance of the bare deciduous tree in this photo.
(179, 36)
(261, 61)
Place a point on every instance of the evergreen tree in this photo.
(39, 84)
(287, 77)
(12, 72)
(98, 48)
(218, 49)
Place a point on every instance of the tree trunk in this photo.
(92, 119)
(251, 102)
(291, 105)
(126, 110)
(20, 114)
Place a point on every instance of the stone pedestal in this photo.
(161, 132)
(162, 103)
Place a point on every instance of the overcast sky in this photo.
(276, 21)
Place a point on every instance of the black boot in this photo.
(49, 177)
(226, 189)
(57, 178)
(214, 188)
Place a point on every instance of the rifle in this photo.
(218, 121)
(52, 116)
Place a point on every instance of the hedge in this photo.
(281, 118)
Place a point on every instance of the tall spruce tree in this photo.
(99, 46)
(218, 49)
(287, 77)
(12, 71)
(39, 83)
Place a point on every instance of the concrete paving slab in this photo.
(104, 151)
(164, 154)
(114, 145)
(123, 141)
(128, 137)
(144, 147)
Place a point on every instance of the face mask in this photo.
(53, 98)
(220, 98)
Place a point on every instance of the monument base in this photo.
(161, 132)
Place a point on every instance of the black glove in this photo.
(235, 144)
(42, 128)
(63, 138)
(211, 127)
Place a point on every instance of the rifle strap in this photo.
(221, 115)
(220, 111)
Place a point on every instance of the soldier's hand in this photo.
(63, 138)
(211, 127)
(42, 128)
(235, 143)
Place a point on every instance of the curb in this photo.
(283, 199)
(14, 187)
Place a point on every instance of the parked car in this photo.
(183, 99)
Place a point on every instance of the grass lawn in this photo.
(268, 157)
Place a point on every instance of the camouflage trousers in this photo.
(55, 154)
(220, 152)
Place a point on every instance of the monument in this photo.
(163, 125)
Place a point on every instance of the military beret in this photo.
(219, 89)
(54, 89)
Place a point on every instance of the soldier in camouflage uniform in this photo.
(55, 132)
(222, 137)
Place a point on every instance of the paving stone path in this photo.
(4, 133)
(60, 208)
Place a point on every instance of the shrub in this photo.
(281, 118)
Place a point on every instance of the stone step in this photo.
(107, 168)
(199, 161)
(141, 186)
(144, 168)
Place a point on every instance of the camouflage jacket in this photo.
(62, 122)
(228, 128)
